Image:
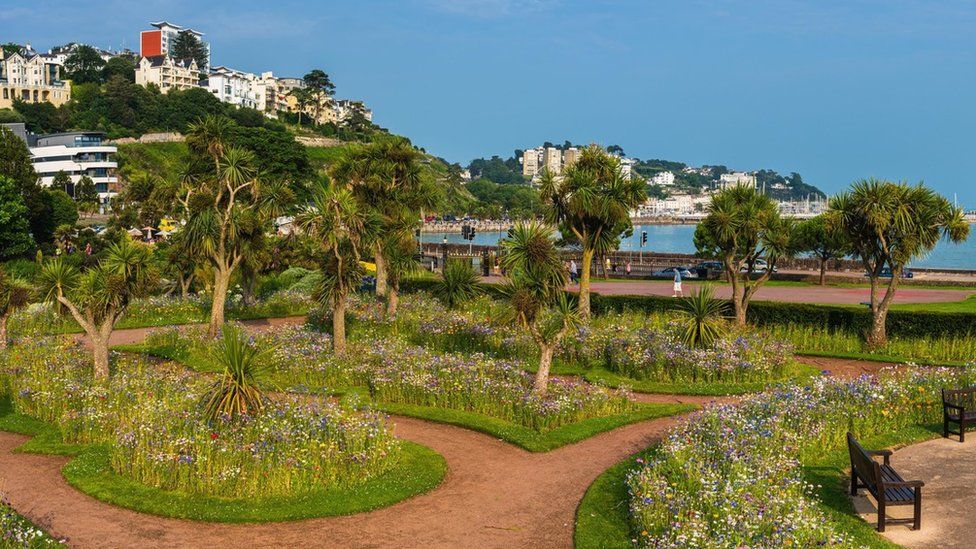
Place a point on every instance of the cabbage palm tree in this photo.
(387, 177)
(889, 225)
(98, 297)
(458, 283)
(535, 293)
(742, 226)
(399, 250)
(338, 228)
(14, 294)
(701, 318)
(591, 202)
(236, 391)
(223, 221)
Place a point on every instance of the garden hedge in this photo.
(832, 317)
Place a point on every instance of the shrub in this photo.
(235, 393)
(459, 283)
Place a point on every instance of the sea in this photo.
(680, 239)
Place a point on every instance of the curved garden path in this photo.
(494, 495)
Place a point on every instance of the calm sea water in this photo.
(680, 239)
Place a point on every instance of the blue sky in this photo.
(833, 90)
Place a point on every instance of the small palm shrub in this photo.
(236, 393)
(458, 284)
(701, 319)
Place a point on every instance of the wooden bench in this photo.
(959, 407)
(884, 483)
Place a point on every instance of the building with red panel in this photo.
(156, 42)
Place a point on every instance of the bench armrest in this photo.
(886, 454)
(905, 484)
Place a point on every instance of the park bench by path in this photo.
(959, 407)
(884, 483)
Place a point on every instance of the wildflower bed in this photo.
(767, 472)
(141, 441)
(471, 390)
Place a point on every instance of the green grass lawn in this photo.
(420, 470)
(967, 305)
(603, 515)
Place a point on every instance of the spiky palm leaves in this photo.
(458, 283)
(701, 316)
(236, 391)
(591, 201)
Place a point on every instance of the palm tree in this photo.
(387, 178)
(591, 202)
(701, 315)
(14, 294)
(822, 242)
(210, 136)
(338, 228)
(742, 226)
(98, 297)
(223, 223)
(400, 262)
(236, 391)
(458, 283)
(535, 293)
(889, 225)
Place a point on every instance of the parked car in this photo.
(669, 273)
(758, 266)
(886, 273)
(709, 269)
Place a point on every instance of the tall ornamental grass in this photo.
(731, 475)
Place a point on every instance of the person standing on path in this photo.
(573, 271)
(677, 284)
(628, 268)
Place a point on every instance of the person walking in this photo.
(677, 284)
(573, 271)
(628, 268)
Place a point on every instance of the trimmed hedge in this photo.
(832, 317)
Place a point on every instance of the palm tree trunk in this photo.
(392, 301)
(381, 285)
(584, 284)
(738, 298)
(221, 285)
(542, 374)
(339, 325)
(3, 330)
(878, 336)
(100, 354)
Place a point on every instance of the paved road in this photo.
(793, 294)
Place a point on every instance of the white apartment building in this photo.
(627, 167)
(233, 86)
(531, 160)
(552, 160)
(662, 179)
(75, 153)
(32, 78)
(681, 204)
(167, 73)
(269, 96)
(727, 180)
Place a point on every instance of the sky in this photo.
(836, 91)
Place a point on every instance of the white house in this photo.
(233, 86)
(734, 179)
(662, 179)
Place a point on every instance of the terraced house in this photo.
(167, 73)
(33, 78)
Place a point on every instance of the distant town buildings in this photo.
(77, 154)
(734, 179)
(160, 40)
(33, 78)
(168, 74)
(552, 158)
(662, 179)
